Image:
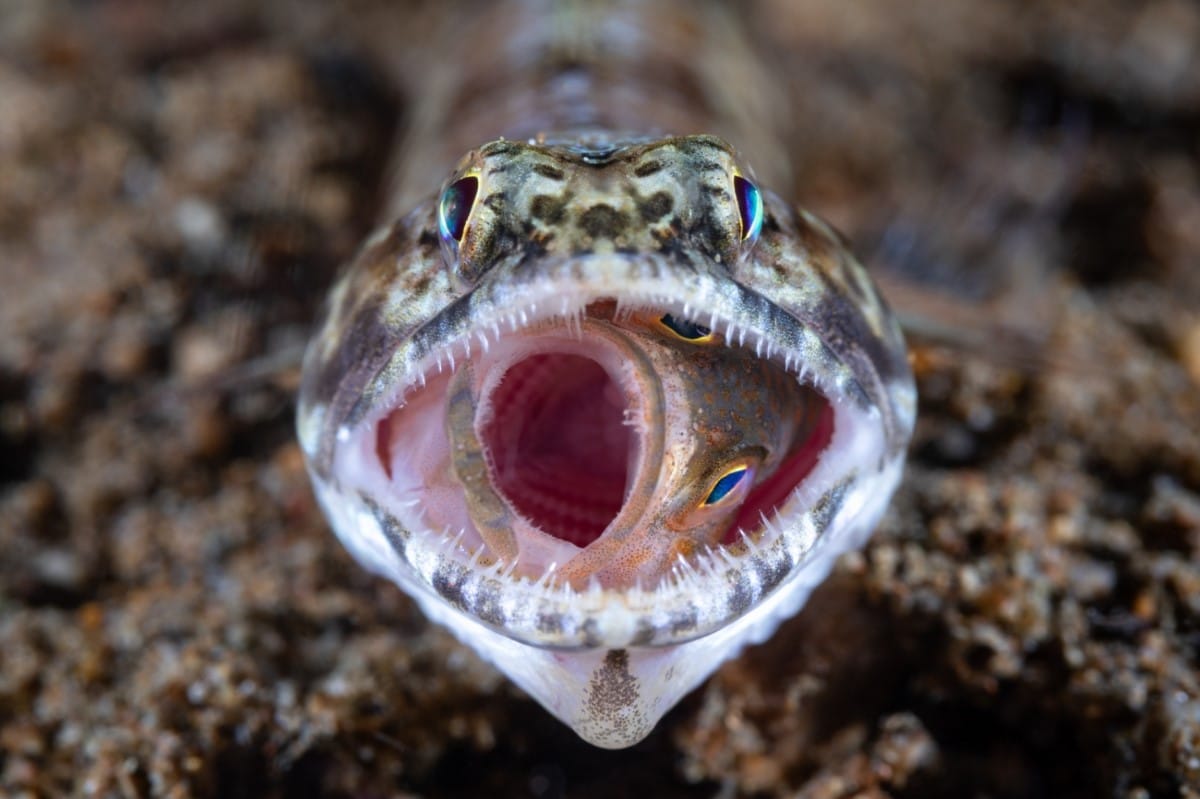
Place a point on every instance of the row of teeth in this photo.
(519, 320)
(684, 573)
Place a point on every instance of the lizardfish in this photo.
(598, 399)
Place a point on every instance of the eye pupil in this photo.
(457, 201)
(727, 483)
(684, 329)
(750, 206)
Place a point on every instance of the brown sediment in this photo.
(178, 188)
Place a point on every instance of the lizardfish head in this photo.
(609, 412)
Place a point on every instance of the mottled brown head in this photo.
(566, 200)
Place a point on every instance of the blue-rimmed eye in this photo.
(455, 207)
(750, 206)
(685, 329)
(727, 483)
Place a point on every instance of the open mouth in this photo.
(602, 444)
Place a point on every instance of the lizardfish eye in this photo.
(690, 331)
(750, 207)
(725, 484)
(455, 207)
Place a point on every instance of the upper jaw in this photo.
(521, 292)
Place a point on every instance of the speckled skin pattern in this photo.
(573, 214)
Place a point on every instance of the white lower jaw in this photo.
(613, 696)
(694, 600)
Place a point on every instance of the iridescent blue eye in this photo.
(727, 483)
(455, 207)
(685, 329)
(750, 206)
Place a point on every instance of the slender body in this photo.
(596, 398)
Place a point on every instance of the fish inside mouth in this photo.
(607, 445)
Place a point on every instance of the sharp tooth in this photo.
(747, 542)
(442, 540)
(687, 575)
(547, 576)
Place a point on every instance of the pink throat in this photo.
(559, 446)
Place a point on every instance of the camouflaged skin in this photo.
(668, 201)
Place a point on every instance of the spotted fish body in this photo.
(594, 257)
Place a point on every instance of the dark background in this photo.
(178, 183)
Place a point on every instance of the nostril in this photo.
(558, 444)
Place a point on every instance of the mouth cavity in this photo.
(554, 424)
(559, 447)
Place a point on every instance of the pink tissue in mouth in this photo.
(769, 495)
(558, 445)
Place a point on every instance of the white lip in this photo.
(657, 676)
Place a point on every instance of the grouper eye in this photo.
(455, 207)
(689, 331)
(725, 484)
(750, 207)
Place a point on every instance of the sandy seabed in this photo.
(178, 184)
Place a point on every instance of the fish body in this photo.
(604, 405)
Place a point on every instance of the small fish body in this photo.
(601, 405)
